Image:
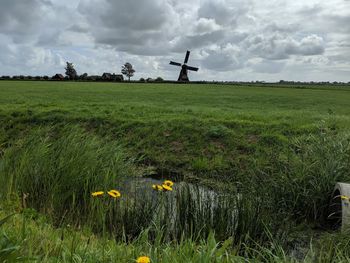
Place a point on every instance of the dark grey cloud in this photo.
(310, 11)
(198, 41)
(146, 14)
(289, 28)
(19, 18)
(14, 14)
(340, 23)
(79, 28)
(142, 32)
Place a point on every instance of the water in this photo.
(135, 185)
(186, 199)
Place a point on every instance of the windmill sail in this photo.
(192, 68)
(187, 57)
(175, 63)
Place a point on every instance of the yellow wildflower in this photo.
(343, 197)
(99, 193)
(143, 259)
(114, 193)
(166, 187)
(168, 183)
(157, 187)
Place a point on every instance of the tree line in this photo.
(71, 74)
(127, 70)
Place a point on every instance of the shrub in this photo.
(218, 131)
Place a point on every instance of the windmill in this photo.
(183, 73)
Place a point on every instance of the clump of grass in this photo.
(57, 171)
(9, 250)
(333, 247)
(301, 181)
(218, 131)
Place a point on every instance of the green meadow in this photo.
(271, 154)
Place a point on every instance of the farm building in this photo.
(58, 77)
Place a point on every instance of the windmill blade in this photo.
(187, 56)
(192, 68)
(175, 63)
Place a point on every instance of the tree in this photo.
(84, 76)
(70, 71)
(127, 70)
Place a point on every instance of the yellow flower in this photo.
(343, 197)
(114, 193)
(157, 187)
(143, 259)
(99, 193)
(167, 188)
(168, 183)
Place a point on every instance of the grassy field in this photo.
(177, 128)
(274, 152)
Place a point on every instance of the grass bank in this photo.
(30, 237)
(272, 154)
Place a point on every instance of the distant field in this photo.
(151, 102)
(191, 129)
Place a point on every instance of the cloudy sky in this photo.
(229, 39)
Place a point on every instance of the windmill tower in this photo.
(184, 68)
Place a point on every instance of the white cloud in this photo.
(205, 25)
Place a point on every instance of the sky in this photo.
(237, 40)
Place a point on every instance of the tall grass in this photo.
(58, 169)
(186, 213)
(55, 172)
(334, 247)
(302, 184)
